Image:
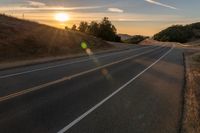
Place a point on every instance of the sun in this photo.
(61, 17)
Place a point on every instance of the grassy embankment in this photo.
(22, 40)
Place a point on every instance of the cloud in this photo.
(115, 10)
(161, 4)
(36, 4)
(45, 8)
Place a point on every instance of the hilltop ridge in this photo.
(179, 33)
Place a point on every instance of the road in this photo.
(137, 90)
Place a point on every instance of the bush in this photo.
(73, 27)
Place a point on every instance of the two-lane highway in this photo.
(135, 90)
(22, 78)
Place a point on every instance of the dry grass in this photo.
(20, 39)
(194, 43)
(191, 122)
(196, 57)
(151, 41)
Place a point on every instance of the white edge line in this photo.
(64, 64)
(25, 91)
(110, 96)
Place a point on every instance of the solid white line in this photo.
(25, 91)
(69, 63)
(110, 96)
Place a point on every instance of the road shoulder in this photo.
(191, 115)
(22, 63)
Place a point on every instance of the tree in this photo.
(83, 26)
(93, 28)
(107, 31)
(74, 27)
(67, 28)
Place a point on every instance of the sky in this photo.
(144, 17)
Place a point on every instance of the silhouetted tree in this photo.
(83, 26)
(73, 27)
(107, 31)
(67, 28)
(93, 28)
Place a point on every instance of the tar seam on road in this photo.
(110, 96)
(25, 91)
(65, 64)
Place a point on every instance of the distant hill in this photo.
(22, 39)
(136, 39)
(124, 36)
(179, 33)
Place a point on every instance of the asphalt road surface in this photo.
(138, 90)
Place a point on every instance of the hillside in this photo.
(136, 39)
(179, 33)
(22, 39)
(124, 36)
(194, 43)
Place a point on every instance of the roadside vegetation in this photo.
(191, 119)
(179, 33)
(136, 39)
(104, 29)
(22, 39)
(196, 57)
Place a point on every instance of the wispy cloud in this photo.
(115, 10)
(36, 4)
(41, 6)
(46, 8)
(161, 4)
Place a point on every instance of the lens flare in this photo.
(84, 45)
(89, 52)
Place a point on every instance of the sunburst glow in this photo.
(62, 17)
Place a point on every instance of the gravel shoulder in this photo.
(191, 115)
